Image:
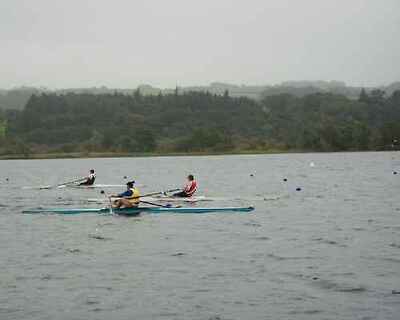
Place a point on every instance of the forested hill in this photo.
(200, 122)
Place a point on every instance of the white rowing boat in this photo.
(94, 186)
(75, 186)
(189, 200)
(164, 199)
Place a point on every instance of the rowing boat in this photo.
(191, 199)
(136, 211)
(164, 199)
(207, 198)
(77, 186)
(94, 186)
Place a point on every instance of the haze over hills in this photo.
(17, 98)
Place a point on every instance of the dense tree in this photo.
(200, 122)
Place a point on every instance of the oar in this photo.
(70, 182)
(109, 199)
(159, 205)
(63, 184)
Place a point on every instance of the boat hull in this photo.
(137, 211)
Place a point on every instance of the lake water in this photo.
(329, 251)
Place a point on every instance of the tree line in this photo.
(200, 122)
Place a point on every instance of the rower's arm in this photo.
(125, 194)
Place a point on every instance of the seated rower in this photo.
(189, 189)
(128, 199)
(89, 179)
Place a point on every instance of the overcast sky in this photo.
(83, 43)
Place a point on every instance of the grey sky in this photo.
(81, 43)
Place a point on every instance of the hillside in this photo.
(200, 122)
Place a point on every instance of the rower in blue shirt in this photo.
(128, 199)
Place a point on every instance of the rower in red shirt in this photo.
(189, 189)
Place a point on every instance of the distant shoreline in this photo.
(85, 155)
(88, 155)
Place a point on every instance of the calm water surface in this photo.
(329, 251)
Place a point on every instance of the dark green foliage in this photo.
(201, 122)
(326, 122)
(206, 139)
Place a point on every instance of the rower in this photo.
(189, 189)
(89, 179)
(128, 199)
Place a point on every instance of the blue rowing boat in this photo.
(137, 211)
